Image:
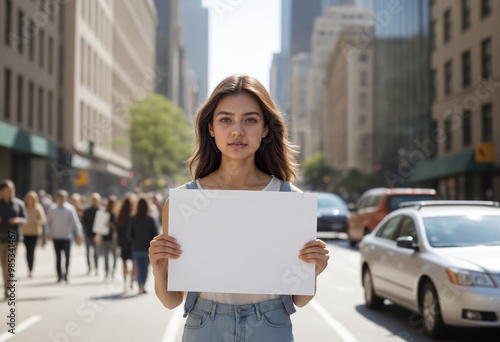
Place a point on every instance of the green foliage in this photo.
(160, 136)
(317, 174)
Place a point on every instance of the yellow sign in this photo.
(83, 178)
(485, 152)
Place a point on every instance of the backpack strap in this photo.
(286, 186)
(192, 185)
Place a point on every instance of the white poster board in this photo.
(241, 241)
(100, 221)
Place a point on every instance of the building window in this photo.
(20, 99)
(20, 34)
(42, 5)
(447, 25)
(465, 14)
(52, 10)
(51, 55)
(485, 8)
(466, 69)
(466, 127)
(61, 65)
(31, 41)
(486, 69)
(59, 121)
(433, 35)
(448, 132)
(6, 98)
(41, 38)
(487, 122)
(49, 113)
(448, 77)
(364, 81)
(31, 103)
(363, 57)
(40, 109)
(8, 21)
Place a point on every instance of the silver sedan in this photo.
(440, 259)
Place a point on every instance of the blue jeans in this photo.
(263, 322)
(142, 262)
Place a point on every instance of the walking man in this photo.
(12, 214)
(63, 224)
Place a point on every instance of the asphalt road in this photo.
(88, 308)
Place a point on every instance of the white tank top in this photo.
(237, 298)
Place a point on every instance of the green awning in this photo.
(17, 139)
(448, 166)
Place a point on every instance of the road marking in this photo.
(22, 326)
(344, 334)
(174, 325)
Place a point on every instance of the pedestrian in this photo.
(33, 227)
(88, 224)
(241, 144)
(158, 206)
(76, 201)
(141, 230)
(109, 241)
(46, 202)
(63, 226)
(12, 215)
(122, 219)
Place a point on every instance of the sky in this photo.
(243, 35)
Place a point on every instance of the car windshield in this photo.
(461, 231)
(394, 201)
(330, 201)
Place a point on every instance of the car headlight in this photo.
(469, 278)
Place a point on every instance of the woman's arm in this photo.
(314, 252)
(162, 248)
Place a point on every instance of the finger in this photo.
(313, 256)
(164, 243)
(165, 237)
(313, 243)
(314, 250)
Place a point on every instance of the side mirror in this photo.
(406, 242)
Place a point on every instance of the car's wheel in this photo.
(431, 312)
(371, 299)
(352, 243)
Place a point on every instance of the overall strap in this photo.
(287, 299)
(191, 296)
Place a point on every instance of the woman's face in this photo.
(30, 201)
(238, 126)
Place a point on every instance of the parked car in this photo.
(332, 213)
(439, 259)
(375, 204)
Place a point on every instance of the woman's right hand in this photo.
(162, 248)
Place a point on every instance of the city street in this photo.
(90, 309)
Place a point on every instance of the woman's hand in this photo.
(162, 248)
(315, 252)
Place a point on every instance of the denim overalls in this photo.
(209, 321)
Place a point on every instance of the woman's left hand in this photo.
(315, 252)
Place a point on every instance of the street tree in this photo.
(160, 136)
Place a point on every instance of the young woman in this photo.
(124, 213)
(241, 144)
(141, 230)
(33, 228)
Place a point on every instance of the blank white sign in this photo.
(241, 241)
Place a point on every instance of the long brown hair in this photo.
(275, 156)
(142, 209)
(125, 211)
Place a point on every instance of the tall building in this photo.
(195, 31)
(30, 111)
(303, 14)
(348, 102)
(326, 30)
(402, 115)
(162, 55)
(108, 63)
(300, 65)
(465, 51)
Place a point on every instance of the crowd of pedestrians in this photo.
(129, 225)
